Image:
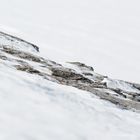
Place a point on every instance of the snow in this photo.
(38, 109)
(6, 40)
(118, 84)
(103, 34)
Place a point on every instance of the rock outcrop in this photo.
(23, 56)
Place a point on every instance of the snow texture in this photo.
(34, 108)
(103, 34)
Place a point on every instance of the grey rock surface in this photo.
(24, 56)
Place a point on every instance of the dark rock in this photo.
(137, 86)
(14, 38)
(82, 65)
(86, 79)
(21, 54)
(28, 69)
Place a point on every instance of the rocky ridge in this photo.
(21, 55)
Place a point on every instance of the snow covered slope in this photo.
(35, 106)
(108, 30)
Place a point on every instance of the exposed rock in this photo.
(21, 54)
(28, 69)
(68, 74)
(124, 94)
(15, 41)
(136, 86)
(81, 65)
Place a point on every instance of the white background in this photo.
(101, 33)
